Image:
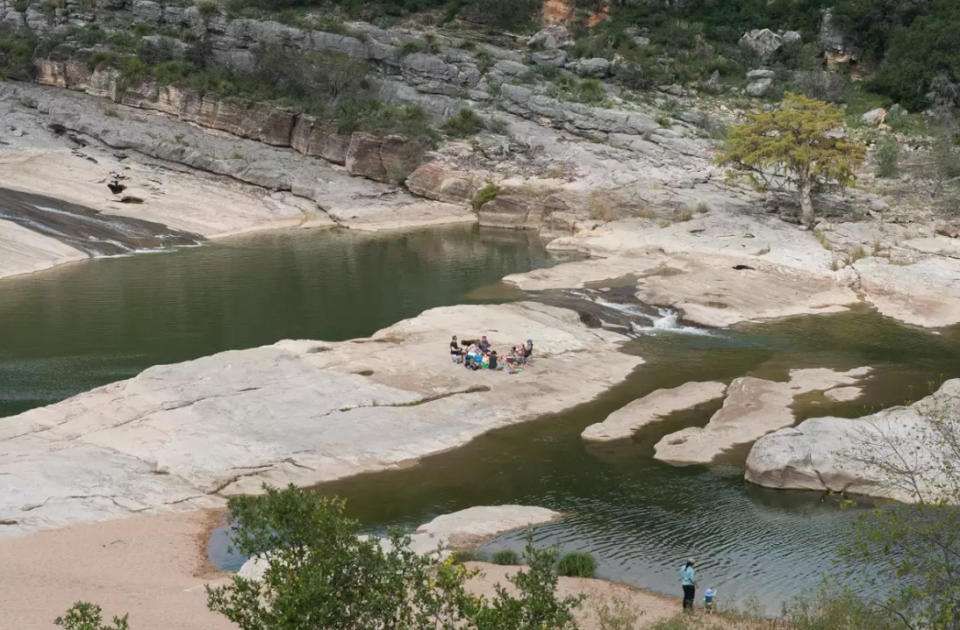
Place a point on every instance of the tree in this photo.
(321, 574)
(800, 144)
(87, 616)
(914, 547)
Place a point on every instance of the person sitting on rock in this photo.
(456, 353)
(484, 345)
(527, 350)
(473, 357)
(492, 360)
(485, 362)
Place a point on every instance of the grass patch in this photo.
(488, 193)
(465, 124)
(506, 557)
(577, 564)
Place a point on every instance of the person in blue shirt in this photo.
(688, 579)
(708, 596)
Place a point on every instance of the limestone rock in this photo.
(712, 84)
(295, 412)
(843, 394)
(791, 37)
(763, 42)
(433, 181)
(759, 87)
(388, 159)
(550, 38)
(512, 211)
(553, 57)
(826, 454)
(753, 407)
(874, 117)
(596, 67)
(761, 73)
(474, 526)
(653, 407)
(925, 292)
(320, 138)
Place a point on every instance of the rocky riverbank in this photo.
(902, 453)
(183, 436)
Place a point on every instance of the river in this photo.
(71, 329)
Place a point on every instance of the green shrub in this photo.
(577, 564)
(87, 616)
(460, 556)
(466, 123)
(888, 158)
(488, 193)
(208, 10)
(411, 46)
(507, 557)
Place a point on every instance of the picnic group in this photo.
(479, 355)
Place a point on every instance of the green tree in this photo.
(87, 616)
(801, 144)
(321, 574)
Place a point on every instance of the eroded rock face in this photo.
(434, 181)
(320, 138)
(828, 454)
(653, 407)
(513, 211)
(753, 407)
(550, 38)
(295, 412)
(389, 158)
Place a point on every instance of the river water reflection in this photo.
(68, 330)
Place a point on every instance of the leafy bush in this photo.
(888, 158)
(488, 193)
(506, 556)
(16, 56)
(321, 574)
(461, 556)
(466, 123)
(87, 616)
(577, 564)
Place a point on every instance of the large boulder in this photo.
(759, 87)
(763, 42)
(874, 117)
(434, 181)
(551, 37)
(385, 159)
(848, 455)
(596, 67)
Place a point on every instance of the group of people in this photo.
(479, 355)
(688, 580)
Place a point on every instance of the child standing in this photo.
(708, 598)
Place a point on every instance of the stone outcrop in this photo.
(847, 455)
(434, 181)
(514, 211)
(389, 158)
(763, 42)
(295, 412)
(320, 138)
(653, 407)
(925, 292)
(753, 407)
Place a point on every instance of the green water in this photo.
(71, 329)
(641, 518)
(68, 330)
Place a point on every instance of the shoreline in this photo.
(150, 566)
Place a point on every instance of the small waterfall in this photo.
(620, 310)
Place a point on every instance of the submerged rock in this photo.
(841, 455)
(752, 408)
(653, 407)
